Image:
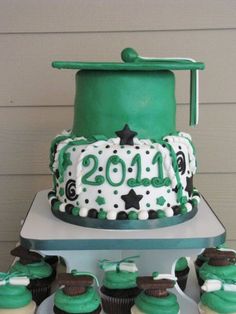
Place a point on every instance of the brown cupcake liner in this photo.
(114, 305)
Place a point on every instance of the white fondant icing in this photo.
(189, 207)
(62, 207)
(169, 212)
(143, 215)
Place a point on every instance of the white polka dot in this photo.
(143, 215)
(83, 212)
(62, 207)
(189, 207)
(111, 215)
(169, 212)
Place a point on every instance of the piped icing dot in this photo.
(188, 206)
(62, 207)
(111, 215)
(143, 215)
(83, 212)
(169, 212)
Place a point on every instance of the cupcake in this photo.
(220, 265)
(15, 298)
(77, 295)
(119, 287)
(39, 272)
(155, 297)
(181, 272)
(219, 288)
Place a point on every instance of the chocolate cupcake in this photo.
(39, 272)
(14, 296)
(181, 272)
(119, 287)
(155, 298)
(77, 295)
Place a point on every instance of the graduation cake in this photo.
(123, 165)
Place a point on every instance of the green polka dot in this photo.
(115, 192)
(132, 215)
(74, 149)
(183, 209)
(77, 203)
(100, 152)
(56, 205)
(122, 146)
(102, 215)
(168, 191)
(75, 211)
(152, 146)
(148, 169)
(128, 152)
(148, 205)
(61, 192)
(194, 202)
(84, 189)
(115, 170)
(160, 214)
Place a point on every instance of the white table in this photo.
(158, 249)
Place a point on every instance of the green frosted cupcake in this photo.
(155, 297)
(39, 272)
(119, 287)
(77, 296)
(15, 298)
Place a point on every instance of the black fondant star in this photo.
(131, 199)
(189, 186)
(126, 136)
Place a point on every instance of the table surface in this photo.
(43, 231)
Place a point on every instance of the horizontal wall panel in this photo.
(26, 134)
(5, 258)
(113, 15)
(27, 79)
(17, 193)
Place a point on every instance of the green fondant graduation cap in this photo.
(139, 92)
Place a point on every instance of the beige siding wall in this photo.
(36, 101)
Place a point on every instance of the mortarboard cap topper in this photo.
(139, 92)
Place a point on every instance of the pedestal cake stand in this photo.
(82, 247)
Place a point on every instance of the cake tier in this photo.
(105, 179)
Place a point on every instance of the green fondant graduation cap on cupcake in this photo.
(128, 92)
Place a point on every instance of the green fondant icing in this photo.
(115, 160)
(183, 209)
(132, 215)
(115, 192)
(100, 200)
(160, 200)
(181, 264)
(151, 305)
(61, 192)
(136, 161)
(120, 279)
(223, 302)
(148, 205)
(128, 152)
(98, 180)
(130, 91)
(148, 169)
(12, 297)
(56, 205)
(55, 142)
(226, 274)
(84, 303)
(84, 189)
(32, 271)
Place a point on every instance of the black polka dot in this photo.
(180, 147)
(100, 168)
(137, 147)
(152, 214)
(92, 213)
(130, 169)
(115, 205)
(65, 200)
(168, 204)
(108, 146)
(188, 172)
(164, 145)
(166, 140)
(69, 173)
(147, 152)
(122, 216)
(148, 192)
(99, 191)
(86, 201)
(115, 151)
(83, 150)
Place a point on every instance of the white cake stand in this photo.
(81, 247)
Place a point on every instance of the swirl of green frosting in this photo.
(220, 301)
(84, 303)
(32, 271)
(12, 297)
(181, 264)
(120, 279)
(164, 305)
(226, 274)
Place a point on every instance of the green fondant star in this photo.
(67, 162)
(160, 200)
(100, 200)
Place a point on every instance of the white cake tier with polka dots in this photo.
(104, 179)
